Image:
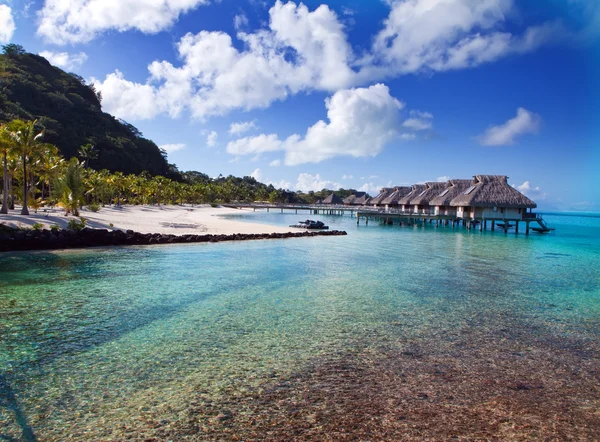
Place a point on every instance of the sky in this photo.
(356, 94)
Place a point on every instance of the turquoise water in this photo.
(100, 342)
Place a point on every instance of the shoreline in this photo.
(165, 220)
(32, 240)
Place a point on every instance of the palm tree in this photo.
(69, 188)
(86, 153)
(26, 144)
(5, 147)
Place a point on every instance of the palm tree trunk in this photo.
(4, 209)
(24, 211)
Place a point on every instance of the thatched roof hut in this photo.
(416, 190)
(383, 194)
(394, 198)
(358, 198)
(492, 191)
(332, 199)
(362, 200)
(432, 190)
(453, 189)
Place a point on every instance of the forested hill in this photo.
(70, 111)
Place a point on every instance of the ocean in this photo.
(388, 333)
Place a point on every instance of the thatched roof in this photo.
(385, 192)
(453, 189)
(356, 198)
(396, 195)
(416, 190)
(432, 190)
(362, 200)
(492, 191)
(332, 199)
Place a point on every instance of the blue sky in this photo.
(357, 93)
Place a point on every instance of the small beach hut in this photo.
(392, 201)
(491, 197)
(383, 194)
(441, 203)
(356, 199)
(420, 202)
(405, 201)
(333, 199)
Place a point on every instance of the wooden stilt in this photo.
(526, 227)
(517, 227)
(493, 225)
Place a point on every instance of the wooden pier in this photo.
(402, 218)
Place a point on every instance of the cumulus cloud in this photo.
(372, 188)
(257, 174)
(419, 121)
(172, 147)
(241, 127)
(80, 21)
(443, 179)
(275, 163)
(307, 182)
(7, 24)
(533, 192)
(347, 177)
(361, 122)
(239, 21)
(300, 50)
(211, 139)
(64, 60)
(504, 134)
(440, 35)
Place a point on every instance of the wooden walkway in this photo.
(395, 216)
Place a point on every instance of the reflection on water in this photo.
(95, 342)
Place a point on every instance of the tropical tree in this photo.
(69, 188)
(5, 147)
(86, 153)
(26, 143)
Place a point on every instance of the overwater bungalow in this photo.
(357, 199)
(383, 194)
(405, 202)
(420, 202)
(491, 197)
(393, 200)
(333, 199)
(441, 203)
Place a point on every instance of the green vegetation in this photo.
(70, 112)
(59, 148)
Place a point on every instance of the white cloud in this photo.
(347, 177)
(373, 189)
(361, 122)
(301, 50)
(419, 121)
(211, 139)
(80, 21)
(504, 134)
(530, 191)
(240, 21)
(283, 184)
(254, 145)
(172, 147)
(241, 127)
(307, 182)
(7, 24)
(408, 137)
(443, 179)
(257, 174)
(127, 100)
(440, 35)
(64, 60)
(275, 163)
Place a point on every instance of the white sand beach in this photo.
(178, 220)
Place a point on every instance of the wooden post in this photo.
(493, 224)
(516, 227)
(526, 227)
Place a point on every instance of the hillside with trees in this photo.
(70, 112)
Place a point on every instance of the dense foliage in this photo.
(70, 112)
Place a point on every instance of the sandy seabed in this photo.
(176, 220)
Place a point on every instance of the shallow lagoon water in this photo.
(102, 343)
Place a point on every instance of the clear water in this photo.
(97, 340)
